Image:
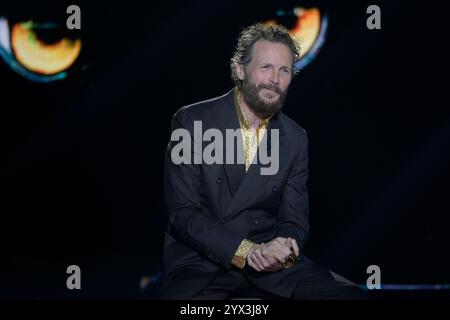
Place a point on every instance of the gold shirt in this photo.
(251, 138)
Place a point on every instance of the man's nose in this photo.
(274, 77)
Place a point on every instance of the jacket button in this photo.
(219, 180)
(223, 220)
(256, 221)
(275, 189)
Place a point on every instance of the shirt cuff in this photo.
(240, 256)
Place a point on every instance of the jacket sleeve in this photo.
(293, 214)
(182, 188)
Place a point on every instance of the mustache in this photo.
(272, 87)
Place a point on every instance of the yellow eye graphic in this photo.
(38, 51)
(41, 57)
(309, 31)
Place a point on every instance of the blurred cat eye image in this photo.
(40, 52)
(308, 26)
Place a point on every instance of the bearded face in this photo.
(264, 99)
(266, 77)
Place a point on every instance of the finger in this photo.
(252, 263)
(253, 248)
(265, 262)
(262, 260)
(280, 240)
(295, 247)
(265, 254)
(289, 244)
(282, 249)
(268, 255)
(283, 246)
(256, 261)
(277, 246)
(270, 249)
(281, 258)
(286, 251)
(254, 266)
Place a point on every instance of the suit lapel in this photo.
(243, 186)
(253, 181)
(228, 119)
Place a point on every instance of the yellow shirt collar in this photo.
(245, 124)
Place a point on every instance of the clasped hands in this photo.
(279, 253)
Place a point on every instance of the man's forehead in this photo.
(264, 49)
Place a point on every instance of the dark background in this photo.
(81, 159)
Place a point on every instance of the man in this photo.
(232, 230)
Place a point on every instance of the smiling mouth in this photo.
(270, 93)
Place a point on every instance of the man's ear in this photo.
(239, 70)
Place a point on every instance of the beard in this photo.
(261, 108)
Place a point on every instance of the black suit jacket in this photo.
(212, 208)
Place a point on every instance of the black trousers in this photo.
(316, 283)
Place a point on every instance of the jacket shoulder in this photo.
(202, 109)
(292, 127)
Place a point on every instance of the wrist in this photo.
(243, 251)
